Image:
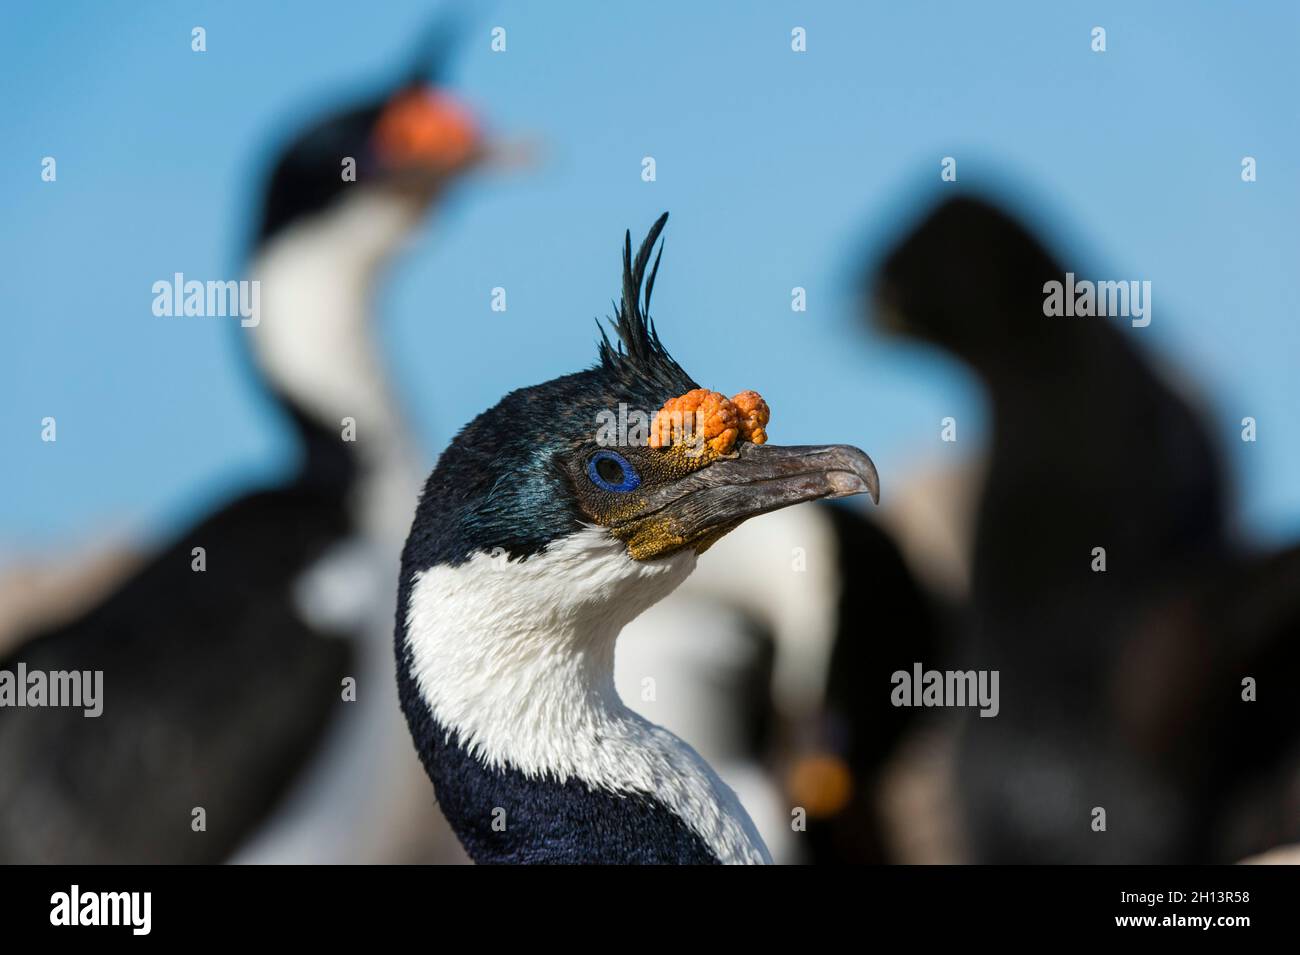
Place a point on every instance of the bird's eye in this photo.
(612, 472)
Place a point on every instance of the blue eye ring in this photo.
(629, 481)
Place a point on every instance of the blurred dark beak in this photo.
(429, 182)
(701, 507)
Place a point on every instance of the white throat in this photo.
(518, 659)
(316, 338)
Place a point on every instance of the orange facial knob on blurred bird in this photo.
(702, 417)
(426, 128)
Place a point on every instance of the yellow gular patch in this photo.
(656, 535)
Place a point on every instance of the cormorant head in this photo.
(551, 522)
(576, 456)
(406, 144)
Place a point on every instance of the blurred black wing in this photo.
(215, 695)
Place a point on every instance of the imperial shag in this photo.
(222, 682)
(534, 543)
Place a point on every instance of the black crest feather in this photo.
(438, 41)
(638, 354)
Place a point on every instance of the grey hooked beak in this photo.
(766, 477)
(703, 506)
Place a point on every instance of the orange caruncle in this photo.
(710, 418)
(754, 416)
(423, 127)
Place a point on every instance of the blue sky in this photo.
(779, 169)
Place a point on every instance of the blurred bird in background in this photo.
(227, 671)
(1120, 689)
